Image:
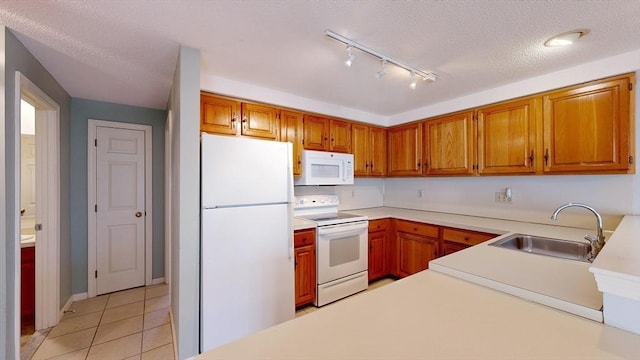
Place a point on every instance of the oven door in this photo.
(341, 250)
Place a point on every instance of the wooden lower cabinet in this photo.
(458, 239)
(378, 248)
(305, 266)
(416, 244)
(415, 252)
(28, 285)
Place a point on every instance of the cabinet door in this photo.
(405, 150)
(259, 121)
(415, 252)
(360, 147)
(305, 267)
(316, 133)
(340, 136)
(377, 151)
(450, 248)
(377, 259)
(291, 131)
(218, 115)
(449, 145)
(587, 128)
(507, 138)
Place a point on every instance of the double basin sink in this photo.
(565, 249)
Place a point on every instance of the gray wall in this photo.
(15, 57)
(184, 104)
(81, 111)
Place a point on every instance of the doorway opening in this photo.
(37, 172)
(27, 217)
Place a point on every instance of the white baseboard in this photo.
(157, 281)
(79, 297)
(67, 305)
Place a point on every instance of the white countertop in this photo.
(431, 315)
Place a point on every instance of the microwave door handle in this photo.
(344, 171)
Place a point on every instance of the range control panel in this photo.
(316, 201)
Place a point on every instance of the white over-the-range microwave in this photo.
(325, 168)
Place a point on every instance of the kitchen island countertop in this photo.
(431, 315)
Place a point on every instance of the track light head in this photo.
(350, 57)
(414, 81)
(383, 70)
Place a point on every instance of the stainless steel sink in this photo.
(559, 248)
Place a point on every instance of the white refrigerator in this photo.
(247, 265)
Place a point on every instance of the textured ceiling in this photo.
(125, 51)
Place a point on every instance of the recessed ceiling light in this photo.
(566, 38)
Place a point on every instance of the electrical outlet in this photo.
(502, 198)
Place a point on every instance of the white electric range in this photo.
(341, 247)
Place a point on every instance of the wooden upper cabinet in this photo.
(291, 131)
(507, 137)
(405, 150)
(340, 136)
(259, 121)
(449, 145)
(588, 128)
(360, 147)
(219, 115)
(316, 133)
(377, 151)
(369, 147)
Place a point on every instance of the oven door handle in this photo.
(344, 229)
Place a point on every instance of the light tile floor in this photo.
(130, 324)
(372, 286)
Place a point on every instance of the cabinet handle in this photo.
(372, 165)
(419, 165)
(244, 123)
(366, 165)
(546, 156)
(233, 120)
(531, 159)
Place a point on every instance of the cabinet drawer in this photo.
(378, 225)
(417, 228)
(465, 237)
(304, 237)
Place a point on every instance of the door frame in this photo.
(48, 311)
(92, 198)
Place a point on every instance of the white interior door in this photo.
(120, 220)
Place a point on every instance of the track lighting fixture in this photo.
(383, 70)
(414, 81)
(415, 73)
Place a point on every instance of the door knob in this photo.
(138, 214)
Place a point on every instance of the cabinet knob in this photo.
(138, 214)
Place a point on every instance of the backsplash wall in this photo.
(534, 197)
(364, 193)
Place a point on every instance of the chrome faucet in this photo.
(596, 243)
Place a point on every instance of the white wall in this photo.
(364, 193)
(237, 89)
(184, 104)
(534, 197)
